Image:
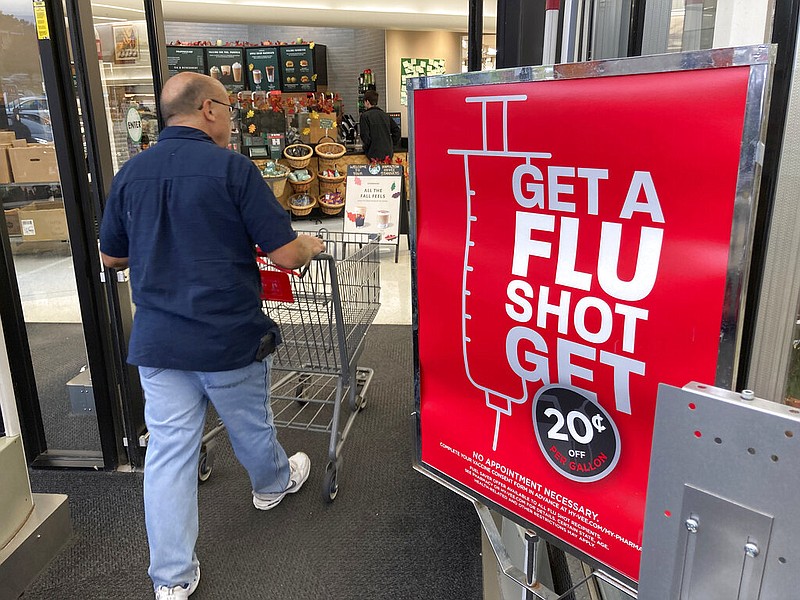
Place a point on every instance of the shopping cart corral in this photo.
(324, 312)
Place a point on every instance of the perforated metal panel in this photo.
(721, 519)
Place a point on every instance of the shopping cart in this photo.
(324, 313)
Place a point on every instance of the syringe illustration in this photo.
(479, 339)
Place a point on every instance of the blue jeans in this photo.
(175, 409)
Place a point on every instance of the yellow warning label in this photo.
(40, 16)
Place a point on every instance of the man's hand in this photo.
(298, 252)
(313, 245)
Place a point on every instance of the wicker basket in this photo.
(278, 183)
(331, 184)
(303, 186)
(330, 208)
(298, 162)
(330, 150)
(301, 211)
(328, 179)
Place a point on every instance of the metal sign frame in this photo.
(759, 59)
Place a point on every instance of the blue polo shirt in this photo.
(187, 214)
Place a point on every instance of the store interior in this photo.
(319, 114)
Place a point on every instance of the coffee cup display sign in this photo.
(372, 202)
(226, 66)
(261, 65)
(383, 219)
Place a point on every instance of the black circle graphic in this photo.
(576, 435)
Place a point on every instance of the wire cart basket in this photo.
(332, 304)
(324, 313)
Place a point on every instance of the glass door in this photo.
(40, 270)
(76, 101)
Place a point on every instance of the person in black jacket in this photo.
(21, 131)
(379, 132)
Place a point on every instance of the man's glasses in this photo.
(230, 107)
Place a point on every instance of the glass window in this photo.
(691, 25)
(124, 55)
(488, 53)
(35, 222)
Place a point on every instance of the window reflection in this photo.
(691, 25)
(124, 55)
(36, 228)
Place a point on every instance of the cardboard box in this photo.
(12, 222)
(7, 137)
(19, 143)
(317, 131)
(43, 221)
(5, 166)
(34, 164)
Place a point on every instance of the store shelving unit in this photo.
(366, 81)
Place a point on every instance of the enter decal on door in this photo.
(572, 250)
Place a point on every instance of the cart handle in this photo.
(263, 259)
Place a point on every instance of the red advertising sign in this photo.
(573, 241)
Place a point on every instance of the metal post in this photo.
(520, 32)
(570, 30)
(550, 32)
(77, 193)
(8, 408)
(635, 36)
(785, 35)
(154, 18)
(508, 33)
(90, 90)
(531, 556)
(475, 36)
(116, 328)
(19, 354)
(692, 25)
(655, 27)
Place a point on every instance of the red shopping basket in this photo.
(275, 284)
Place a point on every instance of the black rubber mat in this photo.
(58, 351)
(390, 534)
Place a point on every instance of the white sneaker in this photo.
(299, 468)
(178, 592)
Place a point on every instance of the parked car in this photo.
(39, 126)
(31, 105)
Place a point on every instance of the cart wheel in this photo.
(330, 487)
(205, 466)
(357, 403)
(302, 383)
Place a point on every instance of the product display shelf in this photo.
(16, 194)
(342, 163)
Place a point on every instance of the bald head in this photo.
(184, 93)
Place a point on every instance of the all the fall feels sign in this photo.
(373, 200)
(573, 243)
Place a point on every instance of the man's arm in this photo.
(394, 128)
(364, 133)
(114, 263)
(113, 236)
(298, 252)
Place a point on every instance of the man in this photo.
(185, 215)
(378, 131)
(21, 131)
